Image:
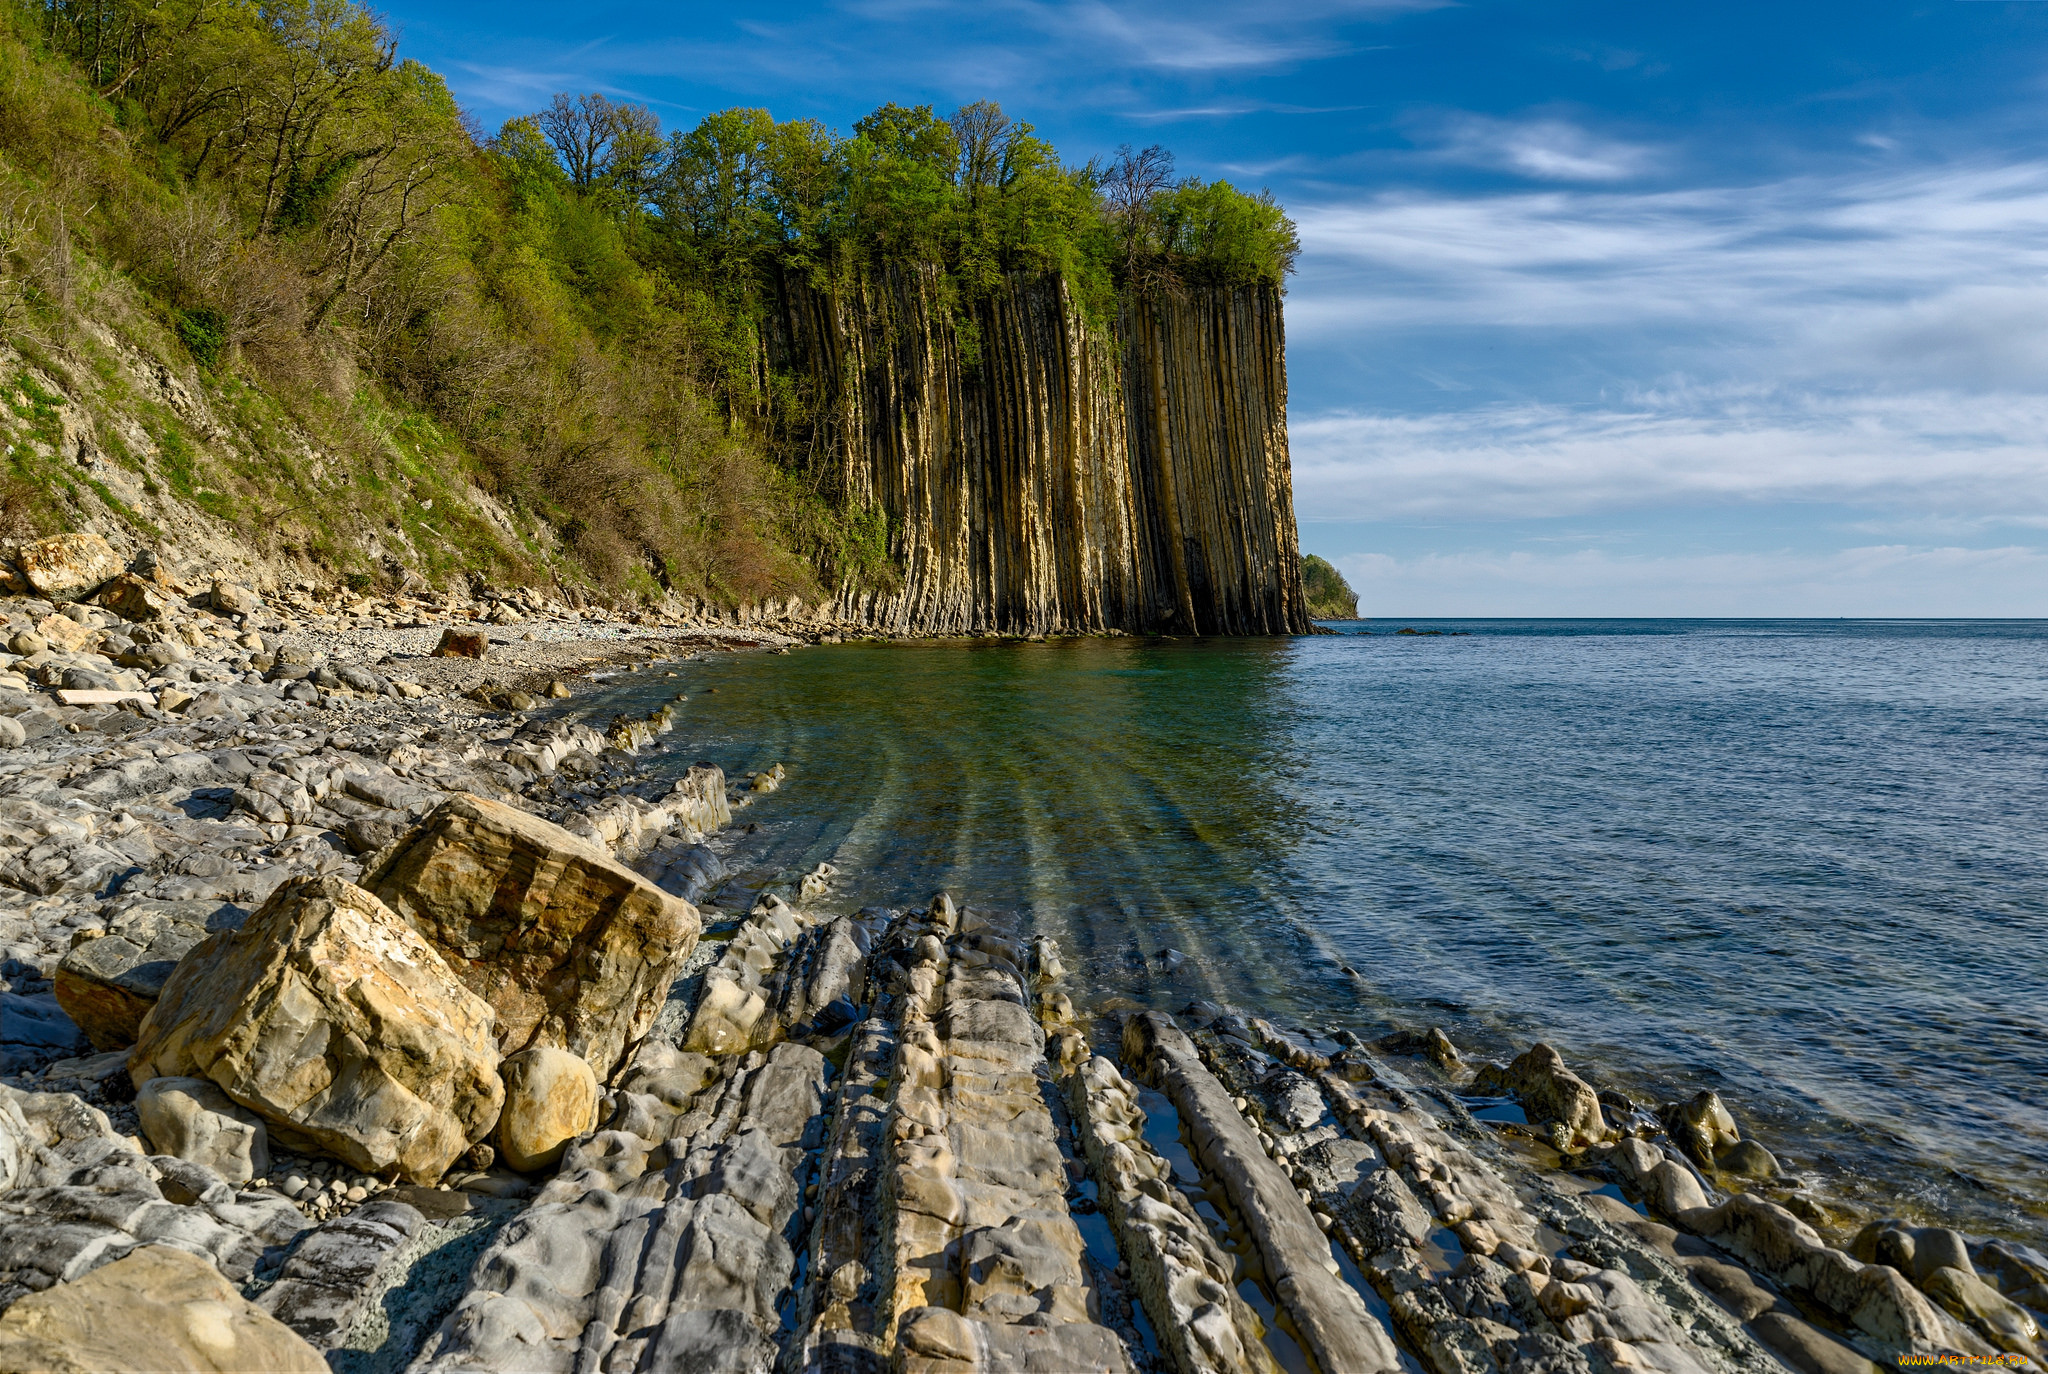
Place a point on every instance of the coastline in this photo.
(1484, 1242)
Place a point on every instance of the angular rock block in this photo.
(231, 598)
(132, 598)
(336, 1022)
(67, 567)
(462, 644)
(157, 1309)
(568, 946)
(194, 1120)
(108, 984)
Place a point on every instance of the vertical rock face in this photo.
(1049, 475)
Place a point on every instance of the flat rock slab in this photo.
(101, 696)
(1329, 1315)
(154, 1309)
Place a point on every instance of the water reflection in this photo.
(1798, 862)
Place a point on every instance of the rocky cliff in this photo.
(1041, 473)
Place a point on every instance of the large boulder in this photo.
(550, 1099)
(67, 567)
(154, 1308)
(570, 947)
(327, 1015)
(231, 598)
(108, 982)
(132, 598)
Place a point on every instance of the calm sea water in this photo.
(1799, 862)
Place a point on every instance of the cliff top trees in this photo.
(977, 192)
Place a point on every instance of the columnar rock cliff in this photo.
(1046, 475)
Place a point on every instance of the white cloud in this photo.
(1874, 341)
(1927, 451)
(1780, 260)
(1542, 149)
(1877, 581)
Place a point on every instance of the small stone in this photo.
(550, 1099)
(558, 689)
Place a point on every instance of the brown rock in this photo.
(67, 567)
(569, 946)
(1702, 1127)
(332, 1019)
(132, 598)
(231, 598)
(62, 633)
(550, 1099)
(1553, 1096)
(107, 985)
(462, 644)
(155, 1308)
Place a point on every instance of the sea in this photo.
(1801, 863)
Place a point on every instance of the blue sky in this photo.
(1604, 309)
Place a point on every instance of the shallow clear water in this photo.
(1799, 862)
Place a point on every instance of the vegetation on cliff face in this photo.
(276, 275)
(1329, 596)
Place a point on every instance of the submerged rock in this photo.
(1552, 1096)
(330, 1017)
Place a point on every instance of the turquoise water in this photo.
(1799, 862)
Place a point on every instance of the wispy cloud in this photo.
(1752, 258)
(1542, 149)
(1875, 580)
(1879, 341)
(1931, 451)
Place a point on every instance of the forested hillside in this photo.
(265, 281)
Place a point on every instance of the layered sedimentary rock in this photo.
(340, 1025)
(1049, 474)
(569, 947)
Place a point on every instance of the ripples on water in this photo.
(1798, 862)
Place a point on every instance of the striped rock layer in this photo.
(1040, 472)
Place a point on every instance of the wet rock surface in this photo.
(338, 999)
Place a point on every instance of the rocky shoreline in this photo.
(368, 1009)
